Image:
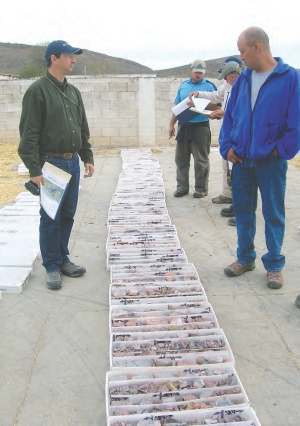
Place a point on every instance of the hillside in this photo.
(15, 58)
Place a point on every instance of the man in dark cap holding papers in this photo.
(54, 129)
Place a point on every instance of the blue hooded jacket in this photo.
(274, 121)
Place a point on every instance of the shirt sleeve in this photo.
(85, 152)
(30, 129)
(216, 96)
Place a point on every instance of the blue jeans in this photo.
(269, 176)
(55, 234)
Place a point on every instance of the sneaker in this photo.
(297, 301)
(180, 194)
(221, 199)
(275, 279)
(231, 221)
(72, 270)
(199, 194)
(227, 211)
(238, 268)
(54, 281)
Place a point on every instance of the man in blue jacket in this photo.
(260, 132)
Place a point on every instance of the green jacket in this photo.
(51, 122)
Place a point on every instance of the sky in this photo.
(156, 33)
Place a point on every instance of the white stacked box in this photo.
(163, 330)
(22, 170)
(19, 243)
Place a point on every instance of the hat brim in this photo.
(202, 70)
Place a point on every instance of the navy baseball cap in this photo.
(61, 46)
(232, 59)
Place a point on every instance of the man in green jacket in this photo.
(54, 128)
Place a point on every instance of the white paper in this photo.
(182, 106)
(53, 190)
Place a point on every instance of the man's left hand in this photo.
(89, 170)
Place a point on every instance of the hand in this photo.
(191, 104)
(218, 113)
(38, 180)
(231, 156)
(171, 131)
(89, 170)
(193, 94)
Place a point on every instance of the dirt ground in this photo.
(11, 184)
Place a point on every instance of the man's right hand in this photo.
(193, 94)
(38, 180)
(171, 131)
(231, 156)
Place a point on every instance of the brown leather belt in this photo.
(66, 155)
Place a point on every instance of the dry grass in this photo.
(11, 184)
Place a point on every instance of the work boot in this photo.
(297, 301)
(221, 199)
(238, 268)
(227, 211)
(275, 279)
(72, 270)
(199, 194)
(54, 281)
(231, 221)
(180, 194)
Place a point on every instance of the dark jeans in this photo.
(199, 147)
(269, 176)
(55, 234)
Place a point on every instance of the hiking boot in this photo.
(180, 194)
(199, 194)
(221, 199)
(238, 268)
(227, 211)
(297, 301)
(275, 279)
(231, 221)
(54, 280)
(72, 270)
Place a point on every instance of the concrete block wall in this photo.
(122, 110)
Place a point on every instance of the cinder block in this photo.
(132, 86)
(101, 105)
(107, 96)
(25, 86)
(6, 99)
(99, 123)
(162, 87)
(10, 125)
(82, 87)
(111, 113)
(133, 141)
(133, 113)
(120, 122)
(161, 122)
(118, 86)
(127, 96)
(91, 96)
(110, 131)
(119, 141)
(1, 89)
(2, 126)
(10, 89)
(101, 142)
(14, 107)
(91, 113)
(129, 131)
(133, 123)
(163, 105)
(100, 87)
(123, 105)
(96, 132)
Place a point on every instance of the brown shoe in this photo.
(238, 268)
(275, 279)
